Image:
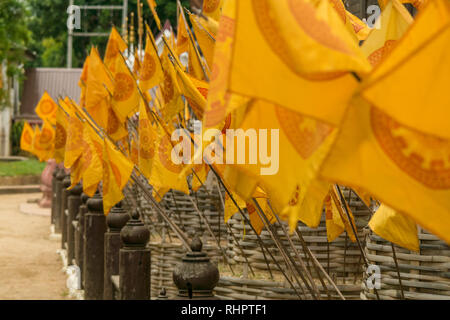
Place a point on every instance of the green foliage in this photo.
(16, 133)
(14, 37)
(48, 25)
(21, 168)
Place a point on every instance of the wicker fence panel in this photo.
(424, 275)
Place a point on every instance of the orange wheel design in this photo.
(60, 136)
(210, 6)
(423, 157)
(47, 107)
(167, 88)
(146, 143)
(227, 27)
(148, 68)
(304, 14)
(378, 55)
(113, 122)
(305, 134)
(74, 137)
(113, 49)
(165, 150)
(27, 138)
(124, 86)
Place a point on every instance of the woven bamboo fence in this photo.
(424, 275)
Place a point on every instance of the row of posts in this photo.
(111, 252)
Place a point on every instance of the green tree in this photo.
(49, 29)
(14, 37)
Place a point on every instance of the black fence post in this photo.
(115, 221)
(58, 194)
(73, 206)
(134, 260)
(64, 196)
(95, 228)
(52, 217)
(79, 236)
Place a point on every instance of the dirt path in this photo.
(29, 265)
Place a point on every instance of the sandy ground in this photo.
(30, 268)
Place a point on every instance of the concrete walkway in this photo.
(30, 268)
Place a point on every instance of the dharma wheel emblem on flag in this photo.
(211, 5)
(60, 136)
(113, 122)
(167, 89)
(147, 149)
(306, 135)
(148, 68)
(423, 157)
(112, 50)
(305, 16)
(27, 137)
(165, 151)
(47, 107)
(124, 86)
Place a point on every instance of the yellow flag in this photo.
(195, 91)
(256, 57)
(182, 36)
(60, 133)
(125, 99)
(99, 88)
(399, 166)
(416, 74)
(165, 174)
(394, 21)
(116, 130)
(212, 8)
(297, 145)
(333, 220)
(82, 83)
(117, 170)
(92, 165)
(74, 141)
(115, 46)
(147, 141)
(37, 150)
(170, 89)
(151, 72)
(26, 139)
(152, 5)
(47, 137)
(360, 29)
(205, 39)
(195, 68)
(395, 227)
(137, 65)
(46, 108)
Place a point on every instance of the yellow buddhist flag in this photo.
(296, 144)
(92, 160)
(125, 99)
(333, 220)
(195, 67)
(134, 150)
(152, 5)
(74, 141)
(255, 57)
(182, 35)
(26, 139)
(46, 108)
(151, 72)
(137, 65)
(165, 174)
(47, 137)
(114, 48)
(416, 74)
(400, 166)
(394, 21)
(116, 130)
(205, 39)
(254, 216)
(147, 141)
(117, 170)
(99, 88)
(395, 227)
(37, 150)
(212, 8)
(195, 91)
(82, 83)
(360, 29)
(171, 92)
(62, 123)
